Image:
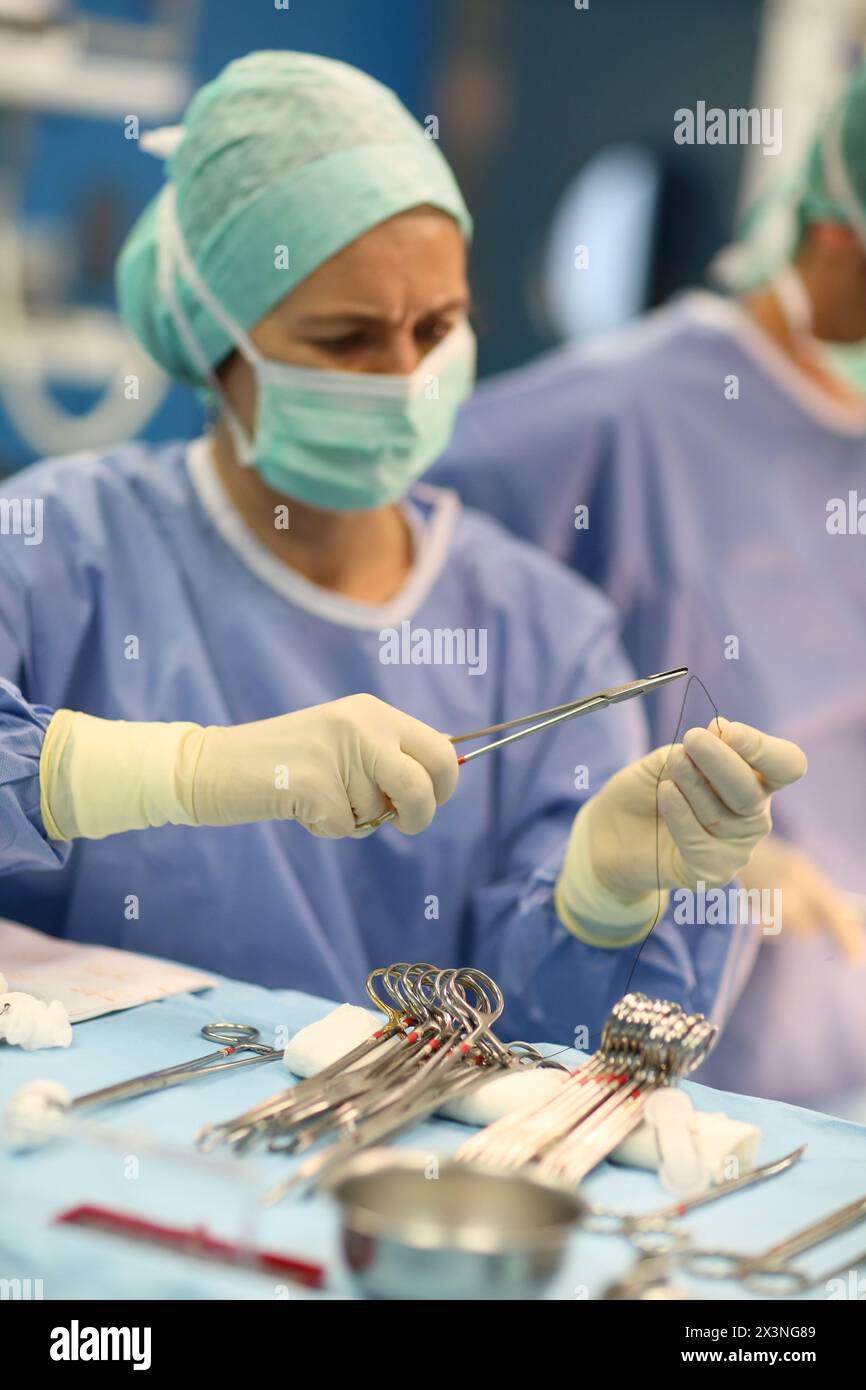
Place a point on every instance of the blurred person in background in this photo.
(707, 468)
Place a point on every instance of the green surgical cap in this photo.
(838, 152)
(830, 186)
(284, 156)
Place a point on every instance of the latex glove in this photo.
(811, 901)
(327, 767)
(714, 805)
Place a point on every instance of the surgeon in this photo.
(182, 652)
(707, 468)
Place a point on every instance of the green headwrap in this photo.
(830, 186)
(284, 157)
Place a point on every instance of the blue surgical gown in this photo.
(706, 463)
(148, 599)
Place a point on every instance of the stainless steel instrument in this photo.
(548, 719)
(645, 1043)
(237, 1037)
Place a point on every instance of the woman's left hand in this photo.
(714, 801)
(687, 815)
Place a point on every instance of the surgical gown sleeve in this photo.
(560, 988)
(23, 842)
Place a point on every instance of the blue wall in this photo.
(79, 173)
(574, 82)
(570, 82)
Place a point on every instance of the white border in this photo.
(431, 546)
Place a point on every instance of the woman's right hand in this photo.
(330, 767)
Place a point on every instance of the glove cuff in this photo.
(587, 908)
(101, 777)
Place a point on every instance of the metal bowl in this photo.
(427, 1228)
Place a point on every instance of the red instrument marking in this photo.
(195, 1241)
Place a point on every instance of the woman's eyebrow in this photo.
(358, 315)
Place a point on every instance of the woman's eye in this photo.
(432, 332)
(350, 342)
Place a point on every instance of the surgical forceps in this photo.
(238, 1037)
(655, 1232)
(645, 1043)
(244, 1129)
(547, 719)
(771, 1272)
(423, 1008)
(450, 1050)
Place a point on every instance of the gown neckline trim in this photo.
(431, 542)
(728, 316)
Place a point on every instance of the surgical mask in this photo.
(846, 362)
(347, 441)
(341, 441)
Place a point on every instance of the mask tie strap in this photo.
(170, 243)
(837, 181)
(793, 299)
(788, 286)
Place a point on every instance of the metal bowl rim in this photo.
(420, 1233)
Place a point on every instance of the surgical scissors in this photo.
(655, 1232)
(238, 1037)
(771, 1272)
(547, 719)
